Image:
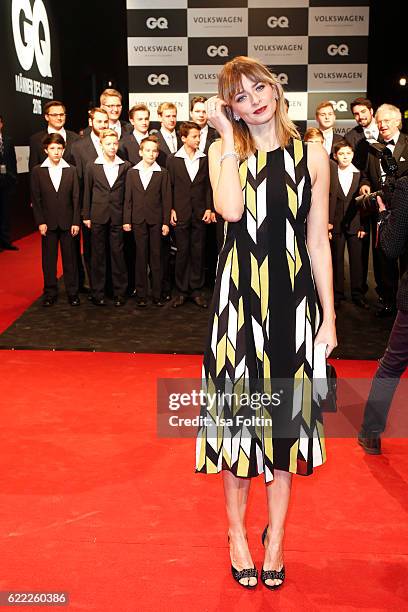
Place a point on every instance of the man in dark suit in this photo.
(111, 101)
(366, 131)
(86, 150)
(198, 114)
(192, 208)
(169, 141)
(147, 209)
(129, 145)
(102, 212)
(393, 239)
(8, 180)
(55, 198)
(55, 116)
(326, 118)
(389, 121)
(347, 228)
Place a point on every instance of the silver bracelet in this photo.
(229, 154)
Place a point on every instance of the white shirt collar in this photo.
(183, 154)
(101, 160)
(153, 168)
(139, 136)
(48, 164)
(62, 131)
(327, 132)
(351, 169)
(166, 133)
(394, 137)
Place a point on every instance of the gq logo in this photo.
(31, 40)
(340, 106)
(153, 23)
(221, 51)
(338, 49)
(158, 79)
(277, 22)
(282, 77)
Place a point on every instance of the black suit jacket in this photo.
(211, 136)
(83, 152)
(372, 172)
(344, 214)
(129, 149)
(336, 138)
(153, 204)
(8, 158)
(189, 197)
(127, 128)
(37, 153)
(164, 149)
(394, 234)
(55, 208)
(360, 144)
(103, 203)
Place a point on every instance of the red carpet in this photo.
(93, 503)
(21, 279)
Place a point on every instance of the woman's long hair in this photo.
(230, 83)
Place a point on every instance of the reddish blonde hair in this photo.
(230, 83)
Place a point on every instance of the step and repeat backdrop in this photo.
(317, 49)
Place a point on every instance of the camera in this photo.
(393, 170)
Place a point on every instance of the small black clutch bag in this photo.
(330, 403)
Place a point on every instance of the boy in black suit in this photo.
(55, 199)
(147, 208)
(129, 145)
(191, 212)
(103, 215)
(345, 222)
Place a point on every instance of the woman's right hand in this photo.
(216, 114)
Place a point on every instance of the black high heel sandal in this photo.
(250, 572)
(271, 574)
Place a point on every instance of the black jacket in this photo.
(103, 203)
(344, 214)
(394, 234)
(372, 173)
(10, 161)
(189, 197)
(55, 208)
(360, 144)
(153, 204)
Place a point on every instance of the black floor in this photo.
(129, 329)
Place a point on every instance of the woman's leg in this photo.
(277, 495)
(236, 496)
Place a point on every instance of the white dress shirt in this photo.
(328, 139)
(61, 132)
(139, 136)
(97, 143)
(170, 138)
(203, 137)
(193, 164)
(55, 171)
(111, 169)
(146, 173)
(117, 126)
(346, 177)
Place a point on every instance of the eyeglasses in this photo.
(113, 105)
(56, 114)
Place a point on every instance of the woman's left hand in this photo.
(327, 335)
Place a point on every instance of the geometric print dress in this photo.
(259, 410)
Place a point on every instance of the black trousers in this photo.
(165, 263)
(354, 247)
(386, 379)
(148, 251)
(100, 232)
(69, 262)
(189, 269)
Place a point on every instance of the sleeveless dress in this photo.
(259, 411)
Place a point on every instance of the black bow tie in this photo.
(389, 142)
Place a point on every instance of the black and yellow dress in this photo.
(260, 411)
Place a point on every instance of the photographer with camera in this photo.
(393, 239)
(388, 118)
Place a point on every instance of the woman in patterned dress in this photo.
(265, 321)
